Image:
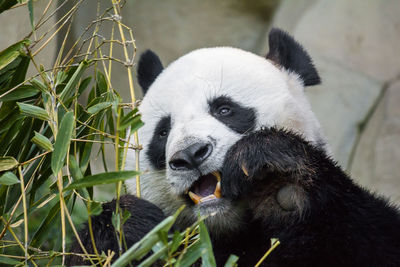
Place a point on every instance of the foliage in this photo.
(48, 136)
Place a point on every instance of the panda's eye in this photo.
(163, 133)
(224, 110)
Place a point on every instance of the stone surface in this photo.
(173, 28)
(361, 34)
(290, 12)
(341, 104)
(376, 161)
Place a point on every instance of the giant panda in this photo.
(231, 135)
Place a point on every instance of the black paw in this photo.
(259, 155)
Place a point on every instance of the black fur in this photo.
(340, 224)
(149, 67)
(336, 223)
(288, 53)
(144, 217)
(156, 151)
(239, 118)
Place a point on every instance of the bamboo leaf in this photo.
(9, 54)
(39, 85)
(8, 261)
(102, 178)
(62, 142)
(141, 248)
(69, 88)
(207, 257)
(33, 111)
(102, 85)
(176, 240)
(192, 254)
(9, 178)
(8, 163)
(48, 222)
(84, 84)
(21, 92)
(99, 107)
(133, 121)
(232, 260)
(30, 8)
(42, 141)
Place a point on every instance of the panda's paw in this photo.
(260, 155)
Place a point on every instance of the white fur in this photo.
(182, 91)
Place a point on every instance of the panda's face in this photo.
(195, 110)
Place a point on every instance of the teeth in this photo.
(217, 192)
(207, 198)
(217, 175)
(195, 198)
(245, 171)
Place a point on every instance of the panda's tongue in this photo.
(206, 188)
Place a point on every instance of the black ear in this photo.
(149, 67)
(288, 53)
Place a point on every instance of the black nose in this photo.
(191, 157)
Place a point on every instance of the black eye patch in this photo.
(237, 117)
(156, 151)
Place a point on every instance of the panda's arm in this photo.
(301, 196)
(282, 175)
(144, 217)
(274, 156)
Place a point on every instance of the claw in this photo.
(245, 171)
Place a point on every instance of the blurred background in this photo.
(355, 46)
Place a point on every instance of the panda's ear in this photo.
(149, 67)
(286, 52)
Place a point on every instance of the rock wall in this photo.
(355, 45)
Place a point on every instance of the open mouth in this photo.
(206, 188)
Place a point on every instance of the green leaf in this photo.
(176, 240)
(8, 163)
(48, 222)
(9, 261)
(39, 85)
(116, 221)
(9, 54)
(30, 8)
(141, 248)
(33, 111)
(193, 253)
(62, 142)
(84, 84)
(21, 92)
(69, 88)
(99, 107)
(9, 178)
(133, 121)
(232, 260)
(207, 258)
(42, 141)
(102, 178)
(95, 208)
(20, 71)
(102, 85)
(125, 216)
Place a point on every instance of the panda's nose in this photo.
(191, 157)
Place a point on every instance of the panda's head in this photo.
(200, 105)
